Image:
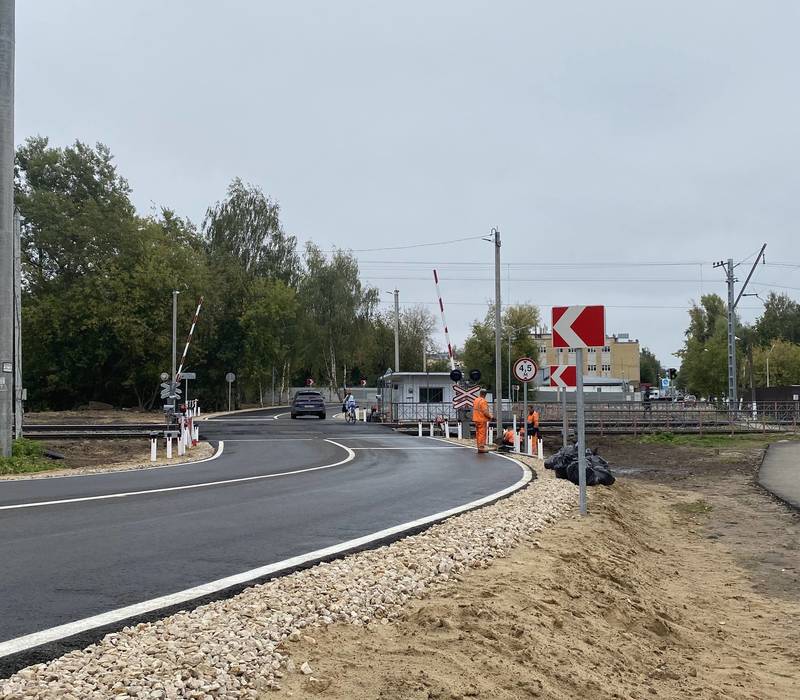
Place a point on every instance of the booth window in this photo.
(431, 395)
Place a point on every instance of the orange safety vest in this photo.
(480, 410)
(508, 436)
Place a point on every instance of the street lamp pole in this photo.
(769, 352)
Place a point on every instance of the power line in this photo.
(540, 280)
(428, 263)
(403, 247)
(542, 305)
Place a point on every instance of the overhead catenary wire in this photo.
(403, 247)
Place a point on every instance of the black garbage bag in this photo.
(565, 465)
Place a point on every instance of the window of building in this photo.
(606, 368)
(591, 368)
(572, 350)
(431, 395)
(543, 349)
(606, 349)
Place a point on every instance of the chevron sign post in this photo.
(563, 376)
(579, 327)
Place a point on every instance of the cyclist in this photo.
(350, 407)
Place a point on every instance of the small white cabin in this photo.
(415, 396)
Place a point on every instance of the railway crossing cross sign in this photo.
(465, 397)
(563, 376)
(525, 369)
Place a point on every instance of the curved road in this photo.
(82, 553)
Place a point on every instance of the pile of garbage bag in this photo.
(565, 464)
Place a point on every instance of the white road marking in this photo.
(120, 471)
(53, 634)
(36, 504)
(270, 440)
(454, 447)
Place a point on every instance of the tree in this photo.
(704, 356)
(784, 364)
(338, 310)
(780, 320)
(246, 225)
(649, 367)
(518, 323)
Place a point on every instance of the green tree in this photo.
(649, 367)
(338, 310)
(780, 320)
(519, 323)
(704, 356)
(784, 364)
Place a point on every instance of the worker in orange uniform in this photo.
(481, 415)
(533, 423)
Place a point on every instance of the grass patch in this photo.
(718, 440)
(693, 507)
(26, 457)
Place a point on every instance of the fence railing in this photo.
(633, 417)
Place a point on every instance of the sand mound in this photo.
(630, 603)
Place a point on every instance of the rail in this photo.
(93, 431)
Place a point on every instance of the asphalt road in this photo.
(76, 547)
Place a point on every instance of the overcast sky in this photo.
(593, 134)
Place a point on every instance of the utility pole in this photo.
(17, 326)
(396, 330)
(174, 382)
(6, 222)
(733, 301)
(498, 331)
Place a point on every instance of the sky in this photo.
(620, 147)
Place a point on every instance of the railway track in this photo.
(93, 431)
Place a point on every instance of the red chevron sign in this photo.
(579, 326)
(563, 376)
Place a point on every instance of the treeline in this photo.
(773, 342)
(98, 281)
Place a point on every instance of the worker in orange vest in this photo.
(533, 423)
(481, 415)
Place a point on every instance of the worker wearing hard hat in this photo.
(481, 415)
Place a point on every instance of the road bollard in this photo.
(181, 443)
(491, 435)
(153, 448)
(431, 430)
(195, 435)
(514, 417)
(460, 431)
(540, 449)
(516, 439)
(419, 429)
(365, 415)
(169, 446)
(447, 430)
(530, 446)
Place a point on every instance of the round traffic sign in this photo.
(230, 377)
(164, 376)
(525, 369)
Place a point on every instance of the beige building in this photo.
(618, 358)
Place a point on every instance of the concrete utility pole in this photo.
(396, 330)
(6, 222)
(17, 326)
(498, 332)
(733, 301)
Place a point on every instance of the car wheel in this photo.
(322, 416)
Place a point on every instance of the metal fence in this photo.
(630, 417)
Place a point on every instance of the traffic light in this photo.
(672, 372)
(475, 375)
(456, 375)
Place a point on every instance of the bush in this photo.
(26, 456)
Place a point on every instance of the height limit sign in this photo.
(525, 369)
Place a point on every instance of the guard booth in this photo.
(409, 397)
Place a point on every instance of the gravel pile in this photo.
(242, 647)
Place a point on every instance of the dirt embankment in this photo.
(669, 591)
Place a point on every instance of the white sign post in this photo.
(230, 377)
(525, 370)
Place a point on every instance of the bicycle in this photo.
(350, 415)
